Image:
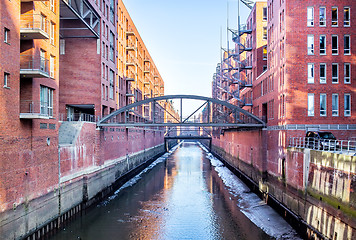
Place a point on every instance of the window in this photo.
(334, 16)
(6, 35)
(46, 101)
(335, 73)
(62, 45)
(264, 18)
(322, 45)
(264, 67)
(310, 104)
(322, 104)
(112, 75)
(6, 79)
(43, 60)
(334, 45)
(335, 105)
(264, 52)
(53, 27)
(347, 105)
(310, 44)
(265, 33)
(52, 6)
(346, 17)
(310, 17)
(51, 63)
(103, 49)
(310, 72)
(112, 46)
(347, 73)
(347, 45)
(322, 73)
(43, 23)
(112, 11)
(322, 18)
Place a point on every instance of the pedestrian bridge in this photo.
(156, 112)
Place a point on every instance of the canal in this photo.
(185, 194)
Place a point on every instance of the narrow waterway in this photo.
(184, 195)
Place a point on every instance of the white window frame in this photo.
(42, 60)
(264, 16)
(347, 51)
(52, 32)
(322, 79)
(322, 51)
(264, 56)
(310, 16)
(310, 44)
(311, 72)
(6, 35)
(311, 104)
(264, 30)
(52, 5)
(347, 111)
(334, 23)
(51, 65)
(347, 22)
(6, 79)
(323, 104)
(322, 20)
(335, 105)
(46, 101)
(334, 79)
(335, 51)
(347, 79)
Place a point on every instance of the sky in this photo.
(184, 39)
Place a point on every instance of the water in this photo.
(181, 196)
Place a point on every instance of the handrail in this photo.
(323, 144)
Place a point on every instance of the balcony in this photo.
(130, 79)
(33, 26)
(130, 33)
(35, 110)
(33, 66)
(129, 94)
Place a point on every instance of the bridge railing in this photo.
(323, 144)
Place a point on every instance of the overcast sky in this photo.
(183, 38)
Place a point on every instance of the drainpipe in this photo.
(59, 180)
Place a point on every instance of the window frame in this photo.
(322, 23)
(323, 113)
(322, 51)
(310, 44)
(347, 112)
(52, 61)
(6, 35)
(52, 29)
(335, 51)
(334, 23)
(322, 80)
(264, 14)
(347, 51)
(264, 33)
(335, 79)
(349, 20)
(335, 111)
(46, 101)
(310, 17)
(6, 79)
(311, 105)
(347, 79)
(311, 72)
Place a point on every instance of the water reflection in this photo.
(180, 198)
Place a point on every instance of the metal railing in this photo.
(323, 144)
(35, 63)
(78, 117)
(34, 21)
(35, 107)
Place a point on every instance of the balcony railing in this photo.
(79, 117)
(35, 110)
(330, 145)
(34, 26)
(33, 66)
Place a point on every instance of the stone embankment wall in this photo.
(91, 164)
(316, 191)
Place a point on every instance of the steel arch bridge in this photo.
(152, 112)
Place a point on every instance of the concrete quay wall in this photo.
(315, 193)
(92, 163)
